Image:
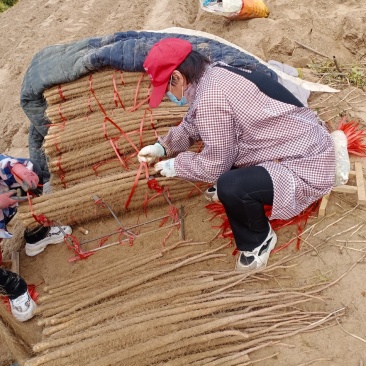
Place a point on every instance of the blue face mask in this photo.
(174, 99)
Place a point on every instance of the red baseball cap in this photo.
(163, 58)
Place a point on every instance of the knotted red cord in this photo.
(61, 173)
(147, 110)
(62, 118)
(130, 237)
(167, 237)
(107, 119)
(173, 212)
(134, 185)
(116, 96)
(41, 219)
(138, 105)
(153, 184)
(55, 142)
(124, 164)
(95, 97)
(60, 93)
(89, 104)
(96, 166)
(76, 247)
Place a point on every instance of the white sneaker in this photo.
(54, 236)
(23, 307)
(211, 194)
(258, 257)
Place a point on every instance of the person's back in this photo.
(266, 129)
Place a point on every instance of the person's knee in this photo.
(224, 187)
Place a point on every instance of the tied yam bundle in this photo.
(116, 316)
(100, 120)
(122, 191)
(98, 125)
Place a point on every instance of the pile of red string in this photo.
(355, 137)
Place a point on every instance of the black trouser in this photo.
(11, 284)
(244, 192)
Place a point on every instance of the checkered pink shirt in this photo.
(241, 126)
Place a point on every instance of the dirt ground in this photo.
(333, 245)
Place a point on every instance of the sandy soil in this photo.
(333, 28)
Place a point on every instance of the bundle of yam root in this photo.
(98, 125)
(116, 316)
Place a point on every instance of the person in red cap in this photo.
(262, 146)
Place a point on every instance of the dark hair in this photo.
(193, 66)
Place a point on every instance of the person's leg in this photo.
(39, 237)
(244, 192)
(11, 284)
(36, 153)
(21, 304)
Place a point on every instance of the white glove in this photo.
(150, 153)
(166, 168)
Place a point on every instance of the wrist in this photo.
(160, 149)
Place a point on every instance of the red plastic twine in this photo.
(355, 137)
(64, 119)
(60, 93)
(116, 96)
(137, 105)
(134, 185)
(41, 219)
